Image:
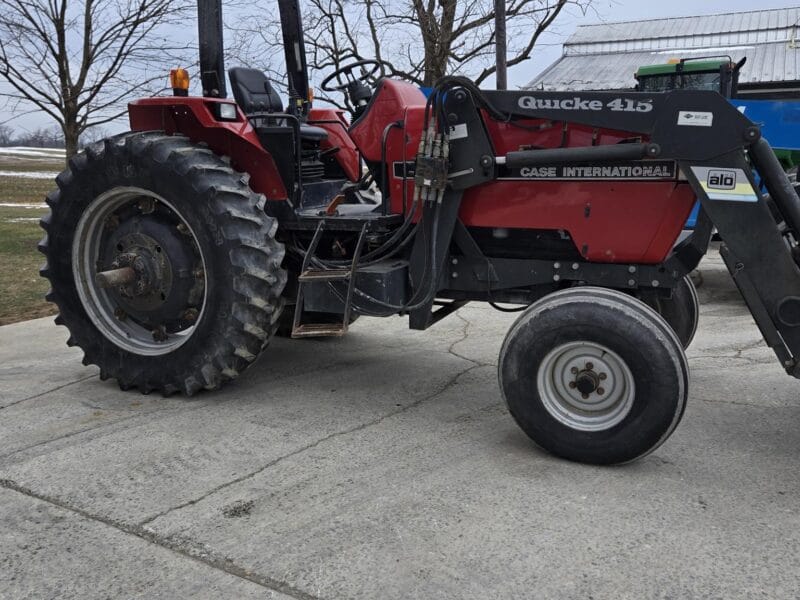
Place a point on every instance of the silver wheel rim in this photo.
(577, 365)
(97, 302)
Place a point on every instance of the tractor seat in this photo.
(255, 96)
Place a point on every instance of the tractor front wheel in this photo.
(162, 262)
(594, 375)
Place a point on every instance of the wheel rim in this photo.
(586, 386)
(156, 310)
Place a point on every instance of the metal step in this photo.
(319, 330)
(324, 275)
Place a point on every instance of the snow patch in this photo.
(21, 205)
(33, 152)
(29, 174)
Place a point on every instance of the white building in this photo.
(606, 56)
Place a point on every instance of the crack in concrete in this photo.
(55, 389)
(751, 346)
(464, 336)
(100, 426)
(324, 368)
(747, 359)
(198, 554)
(733, 402)
(450, 383)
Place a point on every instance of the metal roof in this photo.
(606, 56)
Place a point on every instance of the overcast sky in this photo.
(549, 48)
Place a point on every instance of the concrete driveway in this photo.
(384, 465)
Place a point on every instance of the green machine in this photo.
(777, 117)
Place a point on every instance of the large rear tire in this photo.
(594, 375)
(196, 290)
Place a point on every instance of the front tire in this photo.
(594, 375)
(202, 289)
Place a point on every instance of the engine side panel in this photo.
(333, 121)
(592, 211)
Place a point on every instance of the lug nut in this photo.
(572, 384)
(603, 376)
(589, 366)
(574, 370)
(600, 391)
(585, 396)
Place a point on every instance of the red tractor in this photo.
(177, 250)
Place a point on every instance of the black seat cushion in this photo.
(311, 133)
(253, 91)
(254, 94)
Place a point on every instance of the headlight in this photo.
(227, 112)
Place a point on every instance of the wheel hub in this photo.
(585, 386)
(140, 270)
(587, 382)
(153, 268)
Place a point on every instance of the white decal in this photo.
(458, 131)
(577, 103)
(731, 185)
(695, 119)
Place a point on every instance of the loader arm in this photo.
(716, 149)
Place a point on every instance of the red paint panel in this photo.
(194, 118)
(634, 221)
(389, 103)
(547, 134)
(334, 122)
(628, 221)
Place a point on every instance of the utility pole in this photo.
(501, 75)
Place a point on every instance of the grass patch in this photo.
(22, 290)
(32, 164)
(28, 191)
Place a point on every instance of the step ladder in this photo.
(310, 274)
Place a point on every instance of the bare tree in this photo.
(78, 60)
(422, 40)
(6, 135)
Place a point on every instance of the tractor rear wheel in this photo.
(162, 262)
(594, 375)
(681, 311)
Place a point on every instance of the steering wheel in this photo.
(346, 72)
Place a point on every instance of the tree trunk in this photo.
(71, 136)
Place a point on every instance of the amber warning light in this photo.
(179, 80)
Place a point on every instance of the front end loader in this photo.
(178, 249)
